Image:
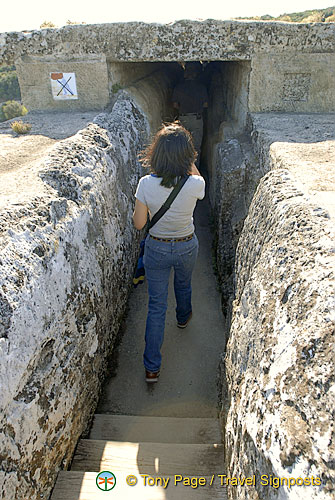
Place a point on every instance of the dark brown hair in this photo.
(171, 153)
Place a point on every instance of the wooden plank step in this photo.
(135, 429)
(72, 485)
(148, 458)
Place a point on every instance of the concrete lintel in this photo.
(182, 40)
(62, 58)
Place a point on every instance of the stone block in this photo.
(292, 83)
(91, 81)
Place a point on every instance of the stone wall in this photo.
(236, 89)
(234, 180)
(226, 119)
(209, 40)
(291, 64)
(151, 85)
(91, 82)
(67, 258)
(292, 83)
(279, 366)
(227, 108)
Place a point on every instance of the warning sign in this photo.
(63, 86)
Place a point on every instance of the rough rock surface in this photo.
(305, 144)
(17, 151)
(279, 363)
(182, 40)
(67, 257)
(237, 174)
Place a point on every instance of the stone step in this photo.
(133, 428)
(72, 485)
(148, 458)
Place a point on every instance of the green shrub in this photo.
(21, 128)
(116, 87)
(9, 85)
(4, 69)
(11, 109)
(307, 16)
(315, 17)
(285, 18)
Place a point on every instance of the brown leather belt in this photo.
(186, 238)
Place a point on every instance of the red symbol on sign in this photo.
(56, 76)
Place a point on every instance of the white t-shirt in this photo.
(177, 222)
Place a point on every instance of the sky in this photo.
(22, 15)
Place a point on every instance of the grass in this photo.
(21, 128)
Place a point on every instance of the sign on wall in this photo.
(63, 86)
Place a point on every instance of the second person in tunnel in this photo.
(171, 242)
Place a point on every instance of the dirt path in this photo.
(17, 152)
(21, 156)
(187, 384)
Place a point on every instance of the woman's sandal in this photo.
(151, 377)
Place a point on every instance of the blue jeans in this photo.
(159, 258)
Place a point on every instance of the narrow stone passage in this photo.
(187, 384)
(166, 435)
(68, 251)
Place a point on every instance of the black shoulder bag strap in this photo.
(166, 205)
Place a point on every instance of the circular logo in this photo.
(106, 480)
(131, 480)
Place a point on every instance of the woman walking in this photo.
(171, 242)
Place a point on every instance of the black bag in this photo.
(140, 271)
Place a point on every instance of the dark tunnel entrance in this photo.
(226, 144)
(153, 85)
